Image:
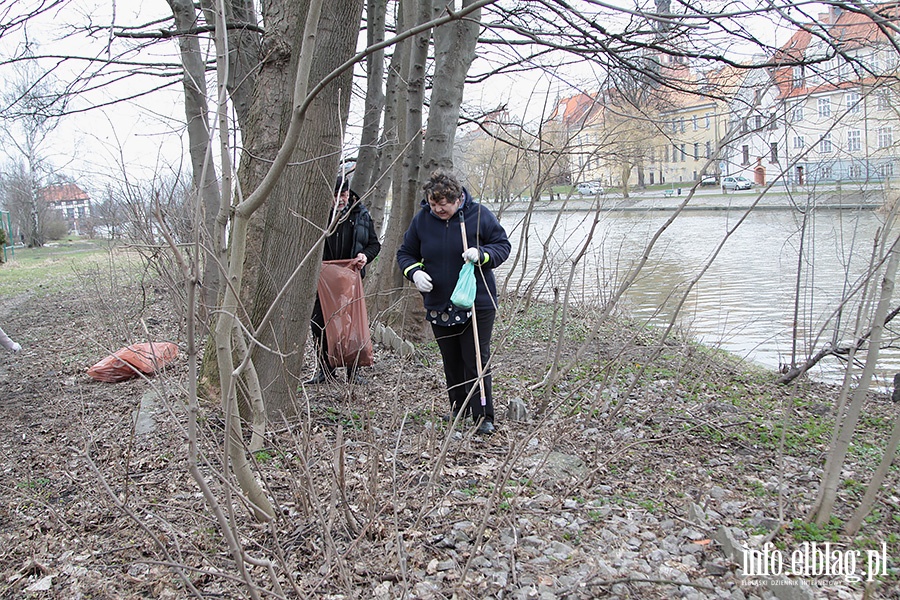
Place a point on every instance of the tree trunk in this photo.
(203, 168)
(454, 51)
(405, 189)
(626, 175)
(363, 177)
(243, 54)
(390, 134)
(300, 202)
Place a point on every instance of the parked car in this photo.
(589, 188)
(736, 182)
(709, 180)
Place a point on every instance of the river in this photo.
(744, 302)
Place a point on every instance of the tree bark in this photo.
(243, 54)
(454, 51)
(363, 177)
(300, 202)
(390, 135)
(388, 279)
(203, 168)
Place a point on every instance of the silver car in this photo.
(736, 182)
(589, 188)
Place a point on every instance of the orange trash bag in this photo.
(125, 363)
(346, 319)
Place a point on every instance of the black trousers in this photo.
(457, 344)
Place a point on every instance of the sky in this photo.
(92, 146)
(146, 134)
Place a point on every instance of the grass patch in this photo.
(33, 484)
(59, 265)
(810, 532)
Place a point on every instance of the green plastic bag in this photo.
(463, 295)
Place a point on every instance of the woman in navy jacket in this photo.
(431, 256)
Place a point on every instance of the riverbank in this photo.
(706, 199)
(651, 463)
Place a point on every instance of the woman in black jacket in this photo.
(431, 256)
(354, 237)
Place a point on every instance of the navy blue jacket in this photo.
(436, 246)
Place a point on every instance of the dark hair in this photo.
(442, 185)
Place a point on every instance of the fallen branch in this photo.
(796, 372)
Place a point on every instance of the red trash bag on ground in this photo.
(346, 319)
(125, 363)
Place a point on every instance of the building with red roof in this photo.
(71, 201)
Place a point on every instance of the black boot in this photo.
(486, 427)
(321, 376)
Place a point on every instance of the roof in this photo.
(575, 110)
(838, 29)
(62, 193)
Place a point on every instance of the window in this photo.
(799, 142)
(798, 77)
(696, 152)
(674, 152)
(773, 152)
(745, 151)
(853, 102)
(825, 143)
(855, 171)
(682, 124)
(759, 122)
(886, 170)
(694, 123)
(773, 122)
(885, 137)
(797, 115)
(877, 62)
(665, 154)
(683, 152)
(882, 100)
(824, 107)
(708, 119)
(854, 140)
(708, 150)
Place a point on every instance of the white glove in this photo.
(472, 255)
(422, 281)
(16, 347)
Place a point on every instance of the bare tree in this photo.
(31, 111)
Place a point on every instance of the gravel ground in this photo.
(648, 468)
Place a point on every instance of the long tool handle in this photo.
(465, 244)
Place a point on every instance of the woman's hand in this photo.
(359, 262)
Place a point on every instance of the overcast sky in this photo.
(91, 145)
(145, 134)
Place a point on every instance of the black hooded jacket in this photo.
(355, 234)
